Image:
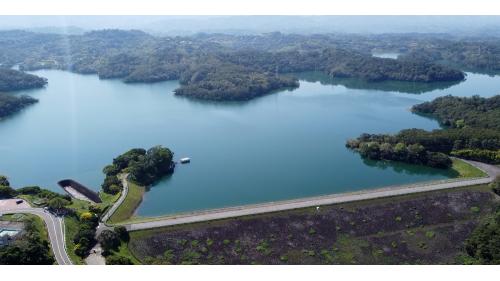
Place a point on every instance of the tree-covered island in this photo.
(10, 104)
(13, 80)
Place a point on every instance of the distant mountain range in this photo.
(185, 25)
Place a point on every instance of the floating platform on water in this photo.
(79, 191)
(185, 160)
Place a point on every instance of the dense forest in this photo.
(475, 56)
(230, 82)
(459, 112)
(12, 80)
(472, 133)
(215, 67)
(10, 104)
(483, 245)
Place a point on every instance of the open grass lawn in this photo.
(79, 206)
(424, 228)
(126, 210)
(466, 170)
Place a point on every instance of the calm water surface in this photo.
(281, 146)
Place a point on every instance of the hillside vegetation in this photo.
(472, 132)
(13, 80)
(208, 66)
(10, 104)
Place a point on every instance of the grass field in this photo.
(126, 210)
(71, 227)
(466, 170)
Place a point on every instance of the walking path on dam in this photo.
(231, 212)
(120, 200)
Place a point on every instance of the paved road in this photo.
(55, 227)
(120, 200)
(95, 257)
(223, 213)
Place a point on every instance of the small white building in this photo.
(7, 235)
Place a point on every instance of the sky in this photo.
(186, 25)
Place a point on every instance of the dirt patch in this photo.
(427, 229)
(10, 204)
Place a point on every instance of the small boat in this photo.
(185, 160)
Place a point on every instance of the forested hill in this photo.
(11, 104)
(12, 80)
(459, 112)
(212, 67)
(473, 132)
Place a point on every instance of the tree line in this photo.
(473, 134)
(10, 104)
(13, 80)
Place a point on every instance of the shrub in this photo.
(87, 216)
(4, 181)
(495, 185)
(118, 260)
(58, 203)
(7, 192)
(30, 190)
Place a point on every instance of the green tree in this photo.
(111, 184)
(484, 243)
(416, 153)
(111, 170)
(4, 181)
(109, 240)
(401, 151)
(438, 160)
(7, 192)
(58, 203)
(122, 233)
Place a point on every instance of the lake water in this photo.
(285, 145)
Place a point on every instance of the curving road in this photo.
(231, 212)
(55, 228)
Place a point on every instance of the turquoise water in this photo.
(285, 145)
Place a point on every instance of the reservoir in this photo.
(285, 145)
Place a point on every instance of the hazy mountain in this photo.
(182, 25)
